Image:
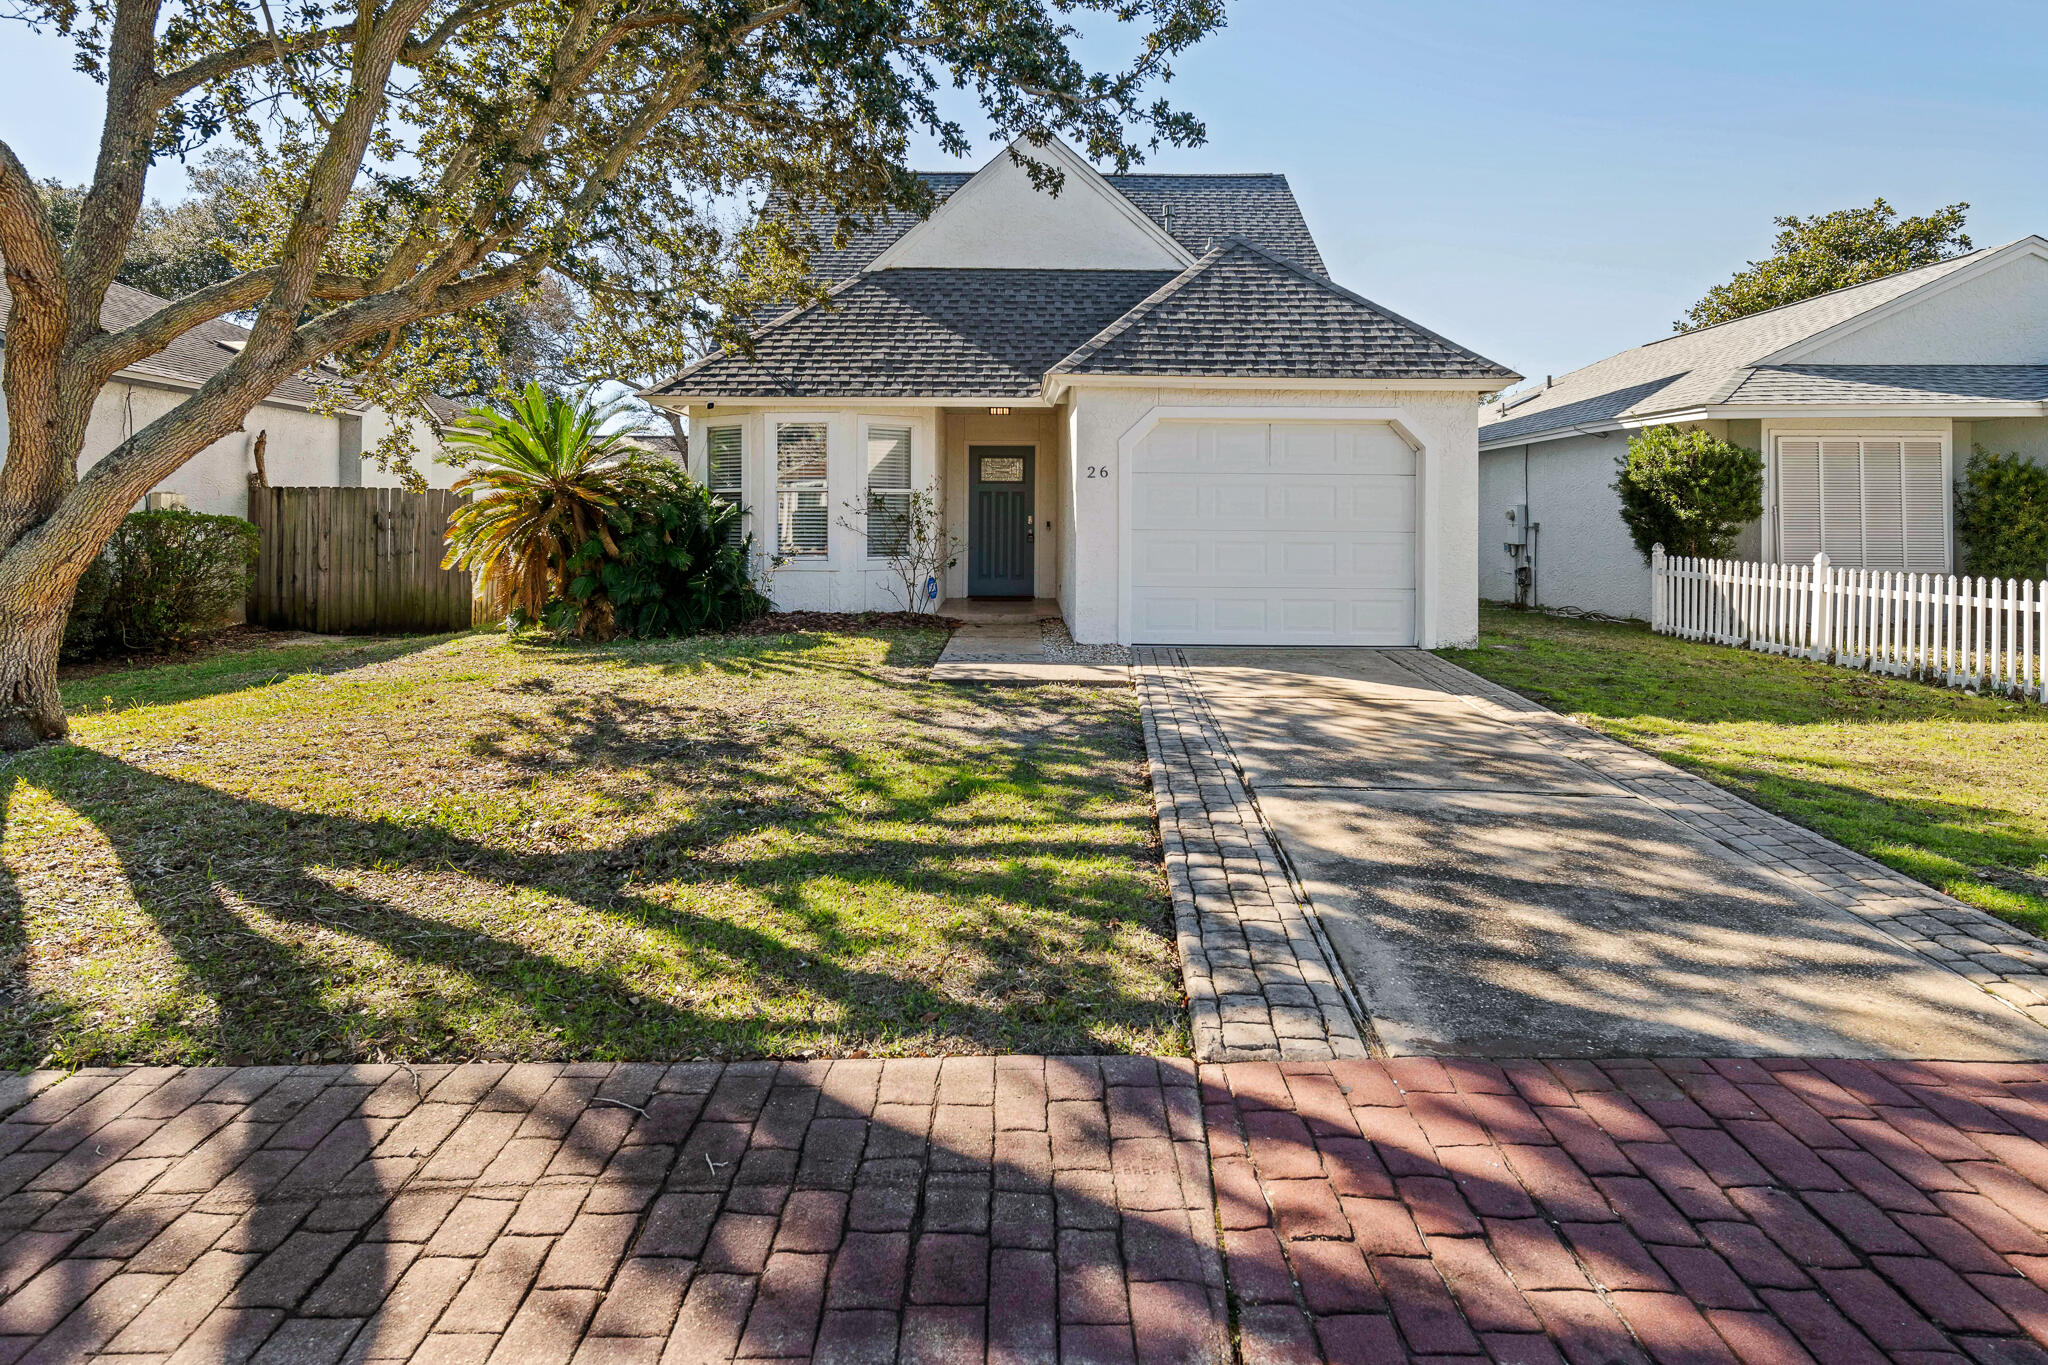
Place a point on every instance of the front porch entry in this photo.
(1002, 538)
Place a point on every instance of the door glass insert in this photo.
(1002, 469)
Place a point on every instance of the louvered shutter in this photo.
(1798, 501)
(888, 457)
(726, 472)
(1841, 500)
(1884, 509)
(1925, 498)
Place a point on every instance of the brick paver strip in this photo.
(1260, 981)
(1032, 1208)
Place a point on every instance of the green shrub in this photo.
(2002, 516)
(662, 565)
(1688, 491)
(165, 580)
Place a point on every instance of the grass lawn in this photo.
(462, 847)
(1949, 788)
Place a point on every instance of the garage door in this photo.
(1285, 533)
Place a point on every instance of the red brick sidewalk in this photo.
(1016, 1209)
(1623, 1211)
(1029, 1210)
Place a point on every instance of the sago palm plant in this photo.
(541, 479)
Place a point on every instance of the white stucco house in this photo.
(1865, 403)
(1143, 397)
(305, 448)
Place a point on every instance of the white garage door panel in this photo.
(1273, 533)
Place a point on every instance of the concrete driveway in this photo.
(1489, 896)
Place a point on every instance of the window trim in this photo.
(1773, 434)
(865, 427)
(773, 424)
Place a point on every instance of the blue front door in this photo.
(1000, 538)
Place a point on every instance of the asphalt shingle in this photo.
(1244, 312)
(926, 333)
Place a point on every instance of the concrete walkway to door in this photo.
(1490, 894)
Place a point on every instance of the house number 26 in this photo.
(1098, 471)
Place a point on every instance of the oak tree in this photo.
(416, 160)
(1831, 251)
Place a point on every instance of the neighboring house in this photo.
(1864, 402)
(304, 447)
(1143, 397)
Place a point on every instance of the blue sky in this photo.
(1544, 183)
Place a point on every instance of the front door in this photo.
(1000, 539)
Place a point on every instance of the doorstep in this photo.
(1003, 644)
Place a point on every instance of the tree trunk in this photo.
(30, 633)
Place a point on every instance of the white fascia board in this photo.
(1056, 386)
(1070, 163)
(1738, 412)
(1806, 346)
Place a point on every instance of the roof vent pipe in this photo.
(1548, 380)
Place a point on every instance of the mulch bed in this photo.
(803, 622)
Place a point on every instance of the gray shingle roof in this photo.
(1243, 312)
(1196, 210)
(1892, 384)
(926, 334)
(201, 353)
(1688, 369)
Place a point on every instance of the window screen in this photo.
(724, 467)
(888, 456)
(1869, 502)
(801, 512)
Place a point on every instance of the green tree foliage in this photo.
(1688, 491)
(1831, 251)
(668, 567)
(542, 478)
(2002, 516)
(175, 248)
(167, 580)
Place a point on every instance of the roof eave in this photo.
(1963, 410)
(1056, 385)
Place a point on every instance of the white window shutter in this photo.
(1884, 507)
(1925, 499)
(1841, 500)
(1798, 501)
(726, 472)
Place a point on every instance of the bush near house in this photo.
(1688, 491)
(666, 568)
(166, 580)
(2002, 516)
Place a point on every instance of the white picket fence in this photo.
(1986, 635)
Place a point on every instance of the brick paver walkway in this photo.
(1014, 1209)
(1628, 1211)
(1259, 978)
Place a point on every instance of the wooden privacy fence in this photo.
(1987, 635)
(355, 561)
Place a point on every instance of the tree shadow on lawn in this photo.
(202, 864)
(168, 682)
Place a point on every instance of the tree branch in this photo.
(106, 355)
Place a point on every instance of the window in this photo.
(1869, 502)
(888, 505)
(724, 472)
(801, 514)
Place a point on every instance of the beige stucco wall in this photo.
(1584, 558)
(1001, 220)
(1993, 318)
(2027, 436)
(1445, 425)
(303, 448)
